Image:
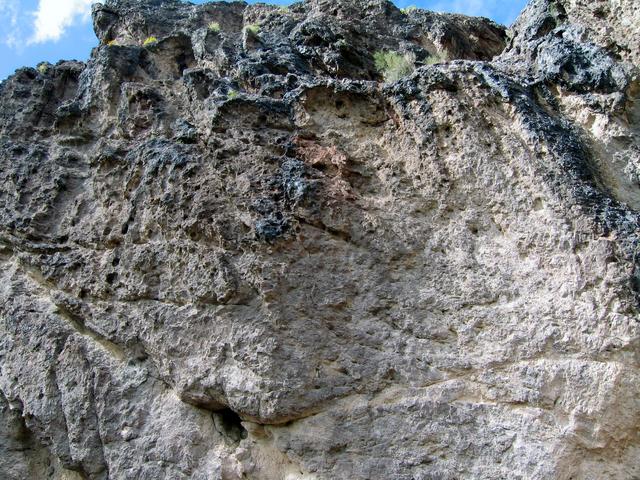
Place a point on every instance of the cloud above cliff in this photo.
(10, 30)
(53, 17)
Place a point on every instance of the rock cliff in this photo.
(230, 250)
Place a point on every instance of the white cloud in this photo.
(10, 29)
(53, 17)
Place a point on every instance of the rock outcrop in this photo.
(229, 250)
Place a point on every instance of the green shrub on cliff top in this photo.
(254, 28)
(392, 65)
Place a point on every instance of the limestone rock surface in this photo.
(230, 251)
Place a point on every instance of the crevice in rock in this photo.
(229, 424)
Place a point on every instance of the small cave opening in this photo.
(229, 424)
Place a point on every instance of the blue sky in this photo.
(32, 31)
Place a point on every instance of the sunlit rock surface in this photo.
(236, 253)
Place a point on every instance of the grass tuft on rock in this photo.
(393, 65)
(253, 29)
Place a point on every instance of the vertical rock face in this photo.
(234, 252)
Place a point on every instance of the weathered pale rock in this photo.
(236, 253)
